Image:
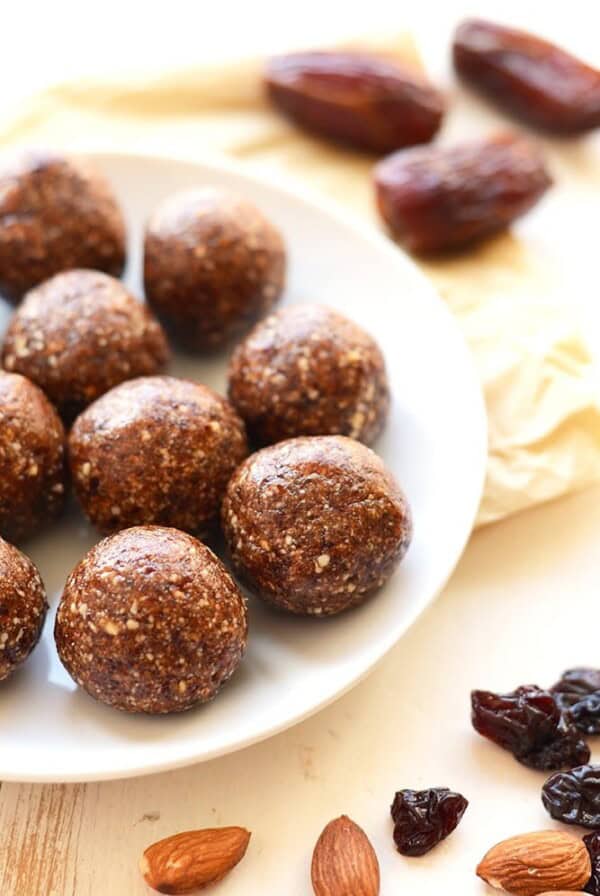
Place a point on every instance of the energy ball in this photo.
(155, 450)
(32, 459)
(23, 608)
(151, 621)
(213, 264)
(56, 213)
(315, 525)
(307, 370)
(79, 334)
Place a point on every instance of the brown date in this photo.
(435, 198)
(364, 101)
(533, 79)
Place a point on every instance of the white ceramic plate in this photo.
(435, 443)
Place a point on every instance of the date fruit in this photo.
(578, 695)
(531, 78)
(592, 843)
(364, 101)
(573, 797)
(528, 722)
(423, 818)
(435, 198)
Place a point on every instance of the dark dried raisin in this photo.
(422, 818)
(592, 842)
(530, 77)
(573, 797)
(578, 695)
(528, 722)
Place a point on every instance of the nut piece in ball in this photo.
(307, 370)
(316, 524)
(155, 450)
(23, 608)
(213, 264)
(151, 621)
(79, 334)
(56, 213)
(32, 459)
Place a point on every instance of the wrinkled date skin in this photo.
(529, 77)
(436, 198)
(573, 797)
(364, 101)
(592, 842)
(529, 723)
(578, 695)
(423, 818)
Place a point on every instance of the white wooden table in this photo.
(523, 604)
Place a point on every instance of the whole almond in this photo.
(193, 859)
(344, 862)
(531, 864)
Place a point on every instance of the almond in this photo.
(537, 863)
(189, 861)
(344, 862)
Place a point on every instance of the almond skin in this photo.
(192, 860)
(344, 862)
(532, 864)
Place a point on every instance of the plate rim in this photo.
(314, 200)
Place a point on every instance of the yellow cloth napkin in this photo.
(536, 372)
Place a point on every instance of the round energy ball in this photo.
(155, 450)
(32, 458)
(307, 370)
(56, 213)
(23, 608)
(79, 334)
(316, 524)
(151, 621)
(213, 264)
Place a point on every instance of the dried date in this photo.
(528, 722)
(573, 797)
(422, 818)
(578, 695)
(533, 79)
(364, 101)
(436, 198)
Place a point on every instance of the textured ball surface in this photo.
(213, 265)
(23, 608)
(56, 213)
(151, 621)
(155, 450)
(79, 334)
(315, 525)
(32, 459)
(307, 370)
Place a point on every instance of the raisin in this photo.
(436, 198)
(573, 797)
(592, 842)
(368, 102)
(422, 818)
(531, 78)
(528, 722)
(578, 695)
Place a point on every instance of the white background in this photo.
(523, 605)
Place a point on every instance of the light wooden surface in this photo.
(522, 605)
